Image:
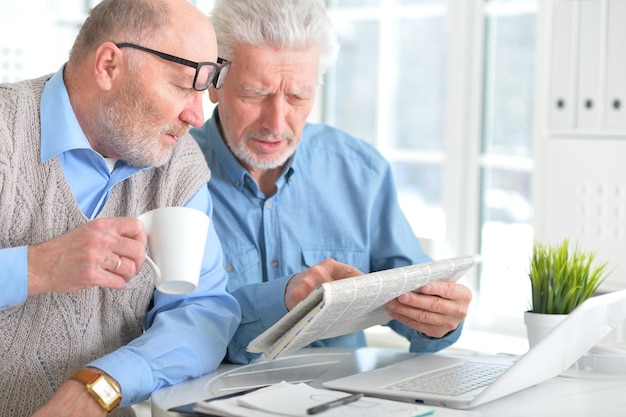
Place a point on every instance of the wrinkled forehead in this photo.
(272, 63)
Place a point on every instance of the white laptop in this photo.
(434, 379)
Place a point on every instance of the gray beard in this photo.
(243, 153)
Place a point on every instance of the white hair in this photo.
(290, 24)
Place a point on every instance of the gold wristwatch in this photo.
(102, 387)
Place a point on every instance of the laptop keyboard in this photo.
(453, 381)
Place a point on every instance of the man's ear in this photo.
(213, 94)
(107, 65)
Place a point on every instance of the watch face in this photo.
(107, 393)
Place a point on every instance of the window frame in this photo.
(462, 153)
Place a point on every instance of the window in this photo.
(389, 88)
(25, 52)
(445, 91)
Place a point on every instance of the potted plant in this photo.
(560, 279)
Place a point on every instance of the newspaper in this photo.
(352, 304)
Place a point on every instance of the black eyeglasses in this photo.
(207, 73)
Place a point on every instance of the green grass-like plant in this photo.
(561, 279)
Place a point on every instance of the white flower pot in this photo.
(538, 325)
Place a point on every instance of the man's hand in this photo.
(71, 400)
(101, 253)
(437, 309)
(300, 285)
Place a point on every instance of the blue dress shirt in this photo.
(335, 199)
(185, 335)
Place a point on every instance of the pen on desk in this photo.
(334, 403)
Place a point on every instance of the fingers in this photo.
(131, 228)
(117, 266)
(103, 252)
(436, 310)
(123, 244)
(339, 270)
(301, 284)
(326, 271)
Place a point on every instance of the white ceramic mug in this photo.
(176, 241)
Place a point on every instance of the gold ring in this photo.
(119, 262)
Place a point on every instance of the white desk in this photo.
(573, 394)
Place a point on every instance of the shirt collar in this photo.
(60, 130)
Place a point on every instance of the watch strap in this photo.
(86, 376)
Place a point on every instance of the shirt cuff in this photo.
(132, 383)
(266, 297)
(13, 276)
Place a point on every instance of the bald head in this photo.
(176, 22)
(191, 33)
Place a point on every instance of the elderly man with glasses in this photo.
(84, 152)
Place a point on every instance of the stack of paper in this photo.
(286, 399)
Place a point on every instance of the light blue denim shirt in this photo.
(335, 199)
(185, 335)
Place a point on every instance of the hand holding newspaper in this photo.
(352, 304)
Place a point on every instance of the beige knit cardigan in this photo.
(44, 340)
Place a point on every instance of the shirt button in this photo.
(237, 184)
(229, 268)
(274, 264)
(268, 204)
